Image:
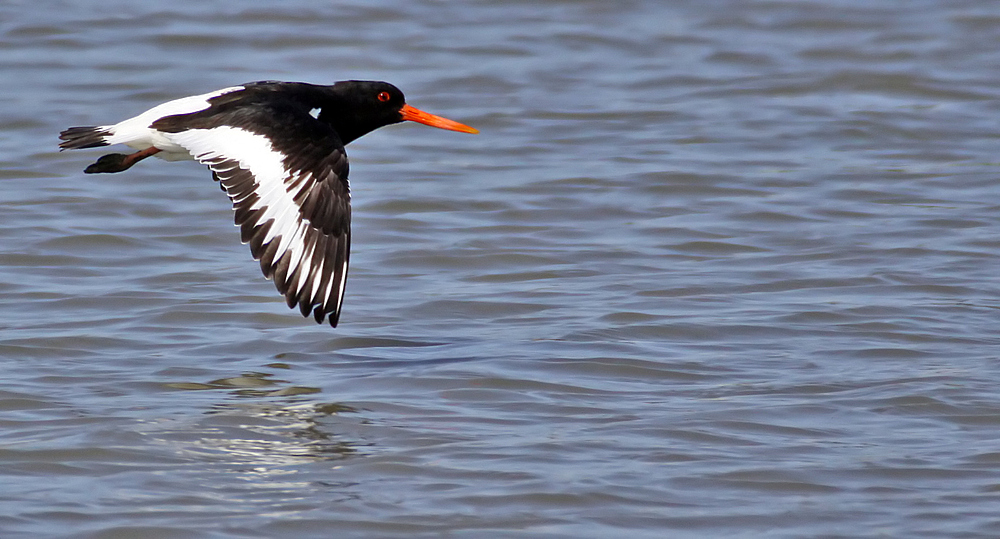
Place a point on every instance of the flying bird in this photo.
(277, 150)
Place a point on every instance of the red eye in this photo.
(384, 96)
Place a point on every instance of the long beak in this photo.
(426, 118)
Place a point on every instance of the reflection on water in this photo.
(269, 425)
(249, 384)
(278, 434)
(710, 268)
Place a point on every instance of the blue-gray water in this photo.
(711, 269)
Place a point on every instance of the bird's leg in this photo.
(117, 162)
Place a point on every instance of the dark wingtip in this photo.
(319, 314)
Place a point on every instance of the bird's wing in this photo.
(286, 174)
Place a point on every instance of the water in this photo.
(711, 269)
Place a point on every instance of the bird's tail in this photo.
(83, 137)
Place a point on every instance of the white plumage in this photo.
(136, 132)
(277, 148)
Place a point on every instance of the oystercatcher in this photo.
(277, 149)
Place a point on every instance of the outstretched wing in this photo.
(286, 174)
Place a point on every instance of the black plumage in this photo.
(277, 150)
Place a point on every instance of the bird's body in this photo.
(277, 148)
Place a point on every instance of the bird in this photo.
(277, 150)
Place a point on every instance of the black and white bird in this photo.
(277, 148)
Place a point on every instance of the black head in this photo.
(361, 107)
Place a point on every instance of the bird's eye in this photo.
(384, 96)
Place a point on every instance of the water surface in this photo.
(711, 269)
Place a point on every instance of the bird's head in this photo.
(364, 106)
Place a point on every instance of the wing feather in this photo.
(290, 199)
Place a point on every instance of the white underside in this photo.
(137, 133)
(254, 153)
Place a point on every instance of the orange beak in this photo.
(426, 118)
